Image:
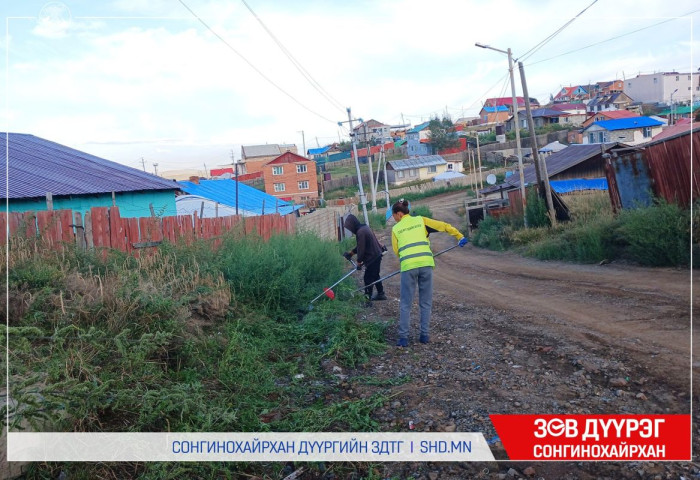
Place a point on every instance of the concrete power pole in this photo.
(303, 143)
(363, 199)
(535, 153)
(371, 173)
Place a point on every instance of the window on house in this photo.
(399, 174)
(304, 185)
(432, 169)
(591, 137)
(449, 166)
(688, 77)
(279, 187)
(656, 80)
(301, 168)
(647, 132)
(601, 137)
(677, 77)
(277, 170)
(412, 172)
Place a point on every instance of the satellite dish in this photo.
(491, 179)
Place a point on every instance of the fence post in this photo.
(88, 231)
(49, 201)
(79, 230)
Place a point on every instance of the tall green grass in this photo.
(185, 339)
(658, 235)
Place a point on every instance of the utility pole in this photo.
(371, 173)
(303, 142)
(143, 162)
(235, 170)
(155, 168)
(478, 154)
(515, 122)
(363, 199)
(535, 154)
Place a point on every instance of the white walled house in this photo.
(631, 131)
(657, 87)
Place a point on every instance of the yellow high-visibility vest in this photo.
(414, 246)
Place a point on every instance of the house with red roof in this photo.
(508, 102)
(571, 94)
(291, 177)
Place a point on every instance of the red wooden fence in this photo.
(103, 227)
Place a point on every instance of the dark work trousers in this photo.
(372, 275)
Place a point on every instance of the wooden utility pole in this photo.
(478, 154)
(544, 181)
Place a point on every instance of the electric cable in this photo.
(614, 38)
(312, 81)
(534, 49)
(253, 66)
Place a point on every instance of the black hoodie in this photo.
(368, 247)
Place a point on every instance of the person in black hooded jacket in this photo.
(369, 254)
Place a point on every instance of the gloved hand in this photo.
(463, 241)
(359, 265)
(347, 255)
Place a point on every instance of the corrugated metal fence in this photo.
(103, 227)
(661, 168)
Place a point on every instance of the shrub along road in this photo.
(515, 335)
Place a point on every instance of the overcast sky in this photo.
(133, 79)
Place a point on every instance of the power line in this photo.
(534, 49)
(253, 66)
(298, 65)
(614, 38)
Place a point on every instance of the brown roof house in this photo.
(291, 177)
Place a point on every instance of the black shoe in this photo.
(424, 338)
(379, 296)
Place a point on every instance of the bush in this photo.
(536, 210)
(656, 236)
(491, 234)
(422, 210)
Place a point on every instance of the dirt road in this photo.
(517, 335)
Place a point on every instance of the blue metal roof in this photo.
(418, 162)
(319, 151)
(501, 108)
(418, 128)
(627, 123)
(38, 166)
(250, 199)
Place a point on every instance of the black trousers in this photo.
(372, 275)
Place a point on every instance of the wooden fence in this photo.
(103, 227)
